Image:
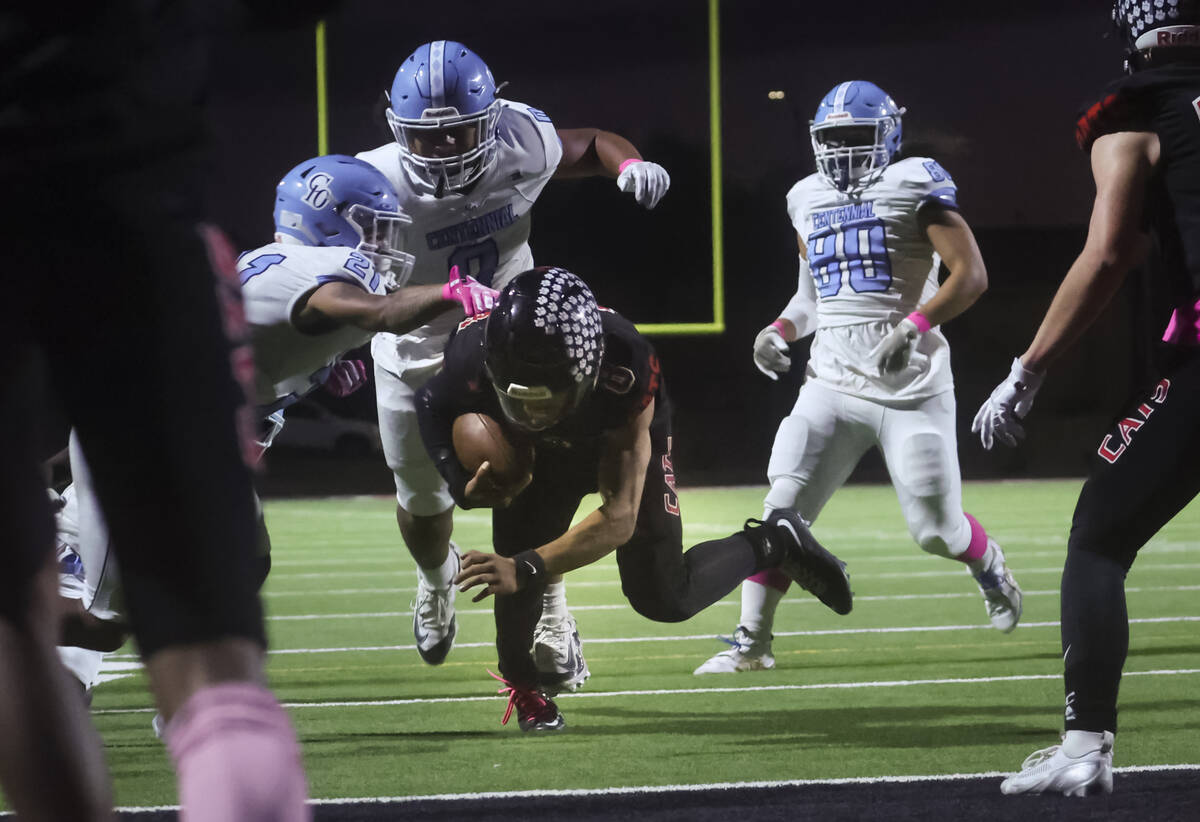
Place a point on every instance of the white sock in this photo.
(443, 575)
(1078, 743)
(554, 601)
(980, 565)
(758, 607)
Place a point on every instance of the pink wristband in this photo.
(919, 320)
(627, 163)
(778, 326)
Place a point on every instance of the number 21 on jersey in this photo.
(853, 251)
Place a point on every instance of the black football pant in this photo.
(111, 288)
(660, 580)
(1146, 469)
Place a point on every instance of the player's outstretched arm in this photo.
(339, 303)
(591, 152)
(1121, 165)
(622, 475)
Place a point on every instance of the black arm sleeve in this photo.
(435, 417)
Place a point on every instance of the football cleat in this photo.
(749, 652)
(1000, 592)
(558, 653)
(1052, 770)
(535, 711)
(434, 624)
(807, 563)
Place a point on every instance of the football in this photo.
(478, 437)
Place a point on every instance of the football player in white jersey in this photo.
(468, 167)
(872, 235)
(333, 277)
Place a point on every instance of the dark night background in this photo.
(992, 91)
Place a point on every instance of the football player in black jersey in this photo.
(102, 130)
(585, 389)
(1144, 139)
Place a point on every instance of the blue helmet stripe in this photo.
(839, 99)
(437, 74)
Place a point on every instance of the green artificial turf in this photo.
(868, 700)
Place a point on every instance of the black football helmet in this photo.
(542, 347)
(1154, 30)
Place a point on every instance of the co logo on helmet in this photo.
(318, 194)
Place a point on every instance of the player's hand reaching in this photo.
(895, 350)
(346, 377)
(497, 574)
(475, 297)
(997, 418)
(648, 181)
(486, 490)
(771, 351)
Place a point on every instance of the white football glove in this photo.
(771, 352)
(648, 182)
(894, 351)
(1010, 401)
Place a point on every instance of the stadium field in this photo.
(913, 682)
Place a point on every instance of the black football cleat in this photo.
(807, 563)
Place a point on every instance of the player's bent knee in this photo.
(933, 543)
(788, 450)
(923, 465)
(659, 606)
(423, 494)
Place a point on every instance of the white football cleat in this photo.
(558, 654)
(749, 652)
(434, 625)
(1001, 594)
(1052, 770)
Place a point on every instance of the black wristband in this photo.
(531, 569)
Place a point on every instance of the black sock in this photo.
(1095, 639)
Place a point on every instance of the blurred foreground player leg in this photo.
(1144, 141)
(51, 766)
(123, 305)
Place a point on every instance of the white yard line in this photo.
(911, 629)
(389, 557)
(816, 686)
(1145, 567)
(791, 601)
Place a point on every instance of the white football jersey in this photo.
(289, 363)
(872, 266)
(485, 231)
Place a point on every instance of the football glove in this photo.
(771, 352)
(346, 377)
(648, 181)
(1011, 400)
(475, 297)
(894, 351)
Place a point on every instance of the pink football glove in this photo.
(475, 297)
(346, 377)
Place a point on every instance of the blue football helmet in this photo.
(337, 200)
(444, 114)
(855, 134)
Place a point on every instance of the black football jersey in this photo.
(630, 378)
(1165, 100)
